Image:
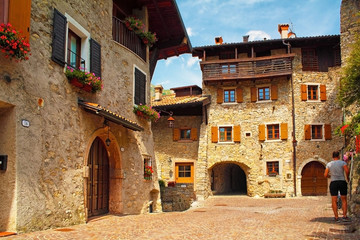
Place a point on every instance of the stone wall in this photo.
(178, 197)
(47, 187)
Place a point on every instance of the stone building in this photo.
(267, 125)
(72, 154)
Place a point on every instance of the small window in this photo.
(74, 59)
(273, 131)
(148, 171)
(263, 93)
(313, 92)
(229, 95)
(272, 169)
(225, 134)
(184, 172)
(228, 69)
(185, 134)
(316, 131)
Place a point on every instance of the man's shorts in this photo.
(336, 186)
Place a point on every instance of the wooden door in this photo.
(313, 182)
(98, 183)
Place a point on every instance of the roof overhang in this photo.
(107, 114)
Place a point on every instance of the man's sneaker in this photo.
(337, 220)
(346, 219)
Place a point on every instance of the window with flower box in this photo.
(148, 171)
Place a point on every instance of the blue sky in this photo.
(232, 19)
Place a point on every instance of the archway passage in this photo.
(228, 178)
(313, 182)
(98, 183)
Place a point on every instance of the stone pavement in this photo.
(220, 217)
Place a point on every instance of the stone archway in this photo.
(115, 173)
(228, 178)
(311, 180)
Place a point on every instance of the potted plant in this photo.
(146, 112)
(136, 25)
(148, 171)
(12, 44)
(85, 80)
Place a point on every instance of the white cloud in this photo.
(257, 35)
(168, 61)
(192, 61)
(189, 31)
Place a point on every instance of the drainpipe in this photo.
(293, 134)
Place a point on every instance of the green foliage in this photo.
(12, 44)
(161, 183)
(86, 78)
(136, 25)
(146, 112)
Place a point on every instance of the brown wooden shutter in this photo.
(214, 134)
(262, 132)
(19, 16)
(322, 92)
(193, 134)
(284, 131)
(4, 11)
(59, 38)
(220, 95)
(303, 92)
(95, 57)
(274, 92)
(239, 95)
(307, 131)
(327, 128)
(237, 134)
(253, 94)
(176, 134)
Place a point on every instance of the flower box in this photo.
(146, 112)
(87, 81)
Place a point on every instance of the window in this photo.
(184, 172)
(148, 171)
(263, 93)
(229, 95)
(272, 168)
(71, 45)
(309, 59)
(228, 69)
(140, 87)
(273, 131)
(225, 134)
(318, 132)
(185, 134)
(312, 92)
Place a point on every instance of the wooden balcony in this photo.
(244, 69)
(127, 38)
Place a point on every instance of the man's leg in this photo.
(344, 205)
(334, 206)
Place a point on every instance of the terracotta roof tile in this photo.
(172, 100)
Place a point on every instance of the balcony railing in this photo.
(75, 61)
(251, 68)
(129, 39)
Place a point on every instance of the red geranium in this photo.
(12, 43)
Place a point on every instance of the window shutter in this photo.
(253, 94)
(239, 95)
(4, 11)
(193, 134)
(237, 134)
(220, 95)
(95, 57)
(176, 134)
(262, 132)
(140, 87)
(284, 131)
(59, 38)
(274, 92)
(327, 128)
(19, 16)
(307, 131)
(214, 134)
(322, 92)
(303, 92)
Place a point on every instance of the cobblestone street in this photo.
(221, 217)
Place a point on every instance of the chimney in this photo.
(218, 40)
(283, 30)
(158, 92)
(246, 38)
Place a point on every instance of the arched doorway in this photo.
(313, 182)
(228, 178)
(98, 182)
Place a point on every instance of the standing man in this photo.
(335, 169)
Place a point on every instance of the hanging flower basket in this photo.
(12, 44)
(146, 112)
(87, 81)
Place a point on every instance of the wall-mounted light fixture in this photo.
(171, 120)
(107, 141)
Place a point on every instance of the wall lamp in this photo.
(171, 120)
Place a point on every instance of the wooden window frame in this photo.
(309, 59)
(140, 86)
(264, 93)
(227, 95)
(275, 131)
(71, 35)
(313, 92)
(184, 179)
(272, 168)
(317, 132)
(189, 134)
(220, 140)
